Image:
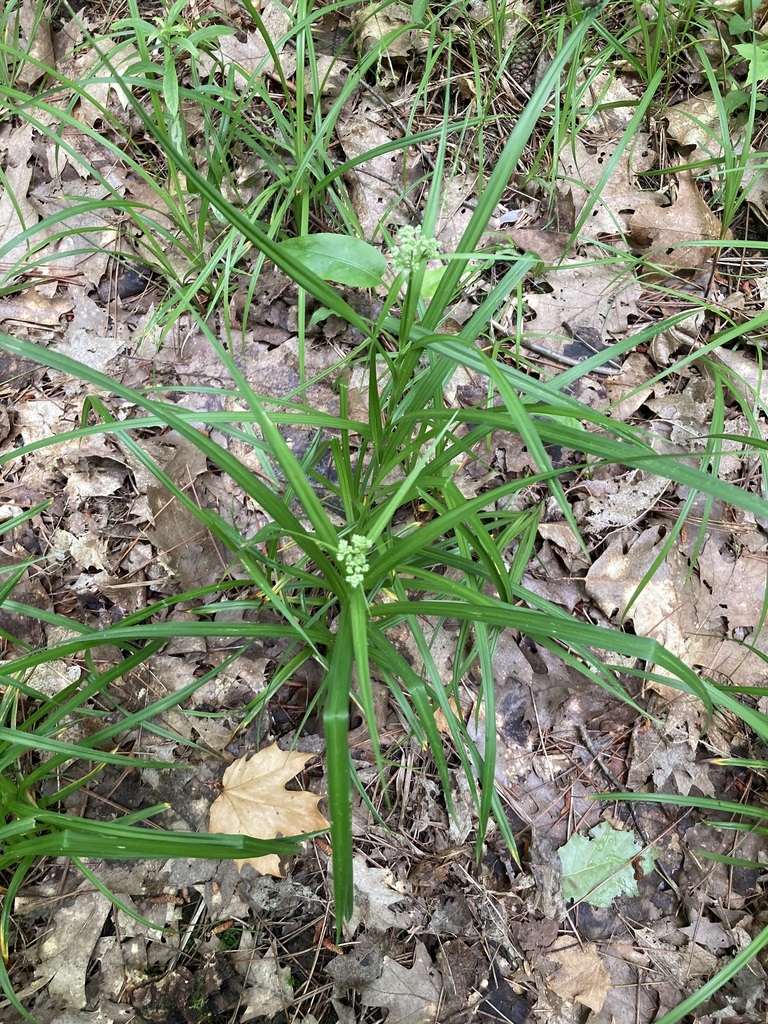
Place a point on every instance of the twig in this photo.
(556, 357)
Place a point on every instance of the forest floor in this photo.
(438, 933)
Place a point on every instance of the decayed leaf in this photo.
(618, 102)
(186, 550)
(550, 246)
(410, 994)
(36, 40)
(96, 91)
(613, 200)
(696, 122)
(250, 55)
(682, 965)
(52, 677)
(663, 232)
(269, 989)
(455, 213)
(746, 377)
(375, 24)
(678, 611)
(586, 296)
(582, 976)
(16, 212)
(684, 612)
(739, 583)
(375, 893)
(65, 952)
(622, 501)
(375, 186)
(254, 802)
(661, 756)
(660, 610)
(31, 307)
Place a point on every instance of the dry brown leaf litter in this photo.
(581, 976)
(411, 995)
(664, 233)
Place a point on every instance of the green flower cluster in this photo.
(412, 249)
(352, 554)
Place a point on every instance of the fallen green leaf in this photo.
(604, 866)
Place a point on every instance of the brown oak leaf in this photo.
(663, 233)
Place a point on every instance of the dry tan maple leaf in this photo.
(663, 231)
(254, 802)
(582, 977)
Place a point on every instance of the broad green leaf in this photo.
(338, 258)
(739, 26)
(600, 868)
(757, 55)
(432, 279)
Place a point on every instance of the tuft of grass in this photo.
(384, 537)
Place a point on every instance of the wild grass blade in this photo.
(358, 616)
(11, 891)
(338, 683)
(708, 989)
(502, 173)
(705, 803)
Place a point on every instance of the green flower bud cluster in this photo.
(352, 555)
(412, 249)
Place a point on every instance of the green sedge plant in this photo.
(396, 543)
(398, 554)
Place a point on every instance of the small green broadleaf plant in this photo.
(169, 38)
(757, 56)
(339, 258)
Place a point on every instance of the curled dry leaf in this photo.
(375, 24)
(254, 802)
(664, 232)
